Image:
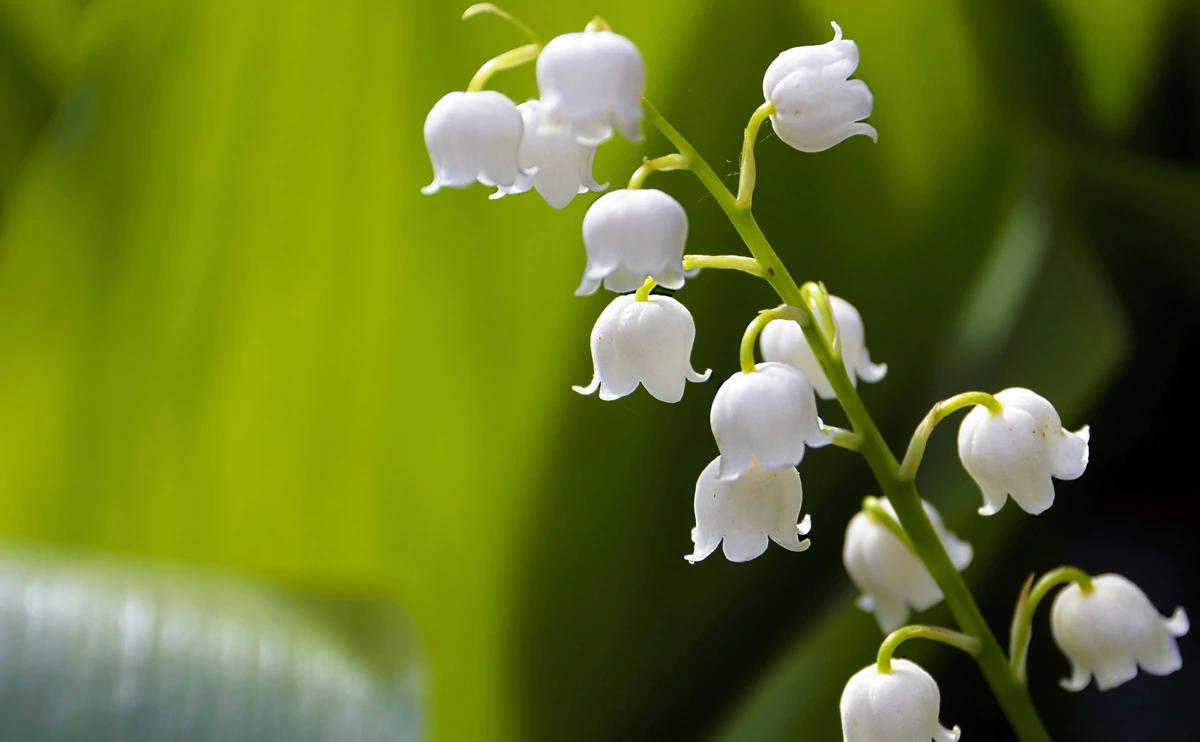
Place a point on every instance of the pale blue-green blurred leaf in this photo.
(104, 650)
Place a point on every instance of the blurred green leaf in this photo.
(1117, 46)
(104, 650)
(34, 38)
(235, 332)
(1137, 200)
(40, 35)
(1022, 47)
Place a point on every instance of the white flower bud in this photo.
(899, 706)
(590, 81)
(816, 106)
(643, 341)
(890, 575)
(553, 162)
(1111, 631)
(767, 417)
(761, 504)
(473, 136)
(783, 341)
(630, 235)
(1017, 450)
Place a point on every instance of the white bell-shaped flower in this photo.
(898, 706)
(590, 82)
(783, 341)
(892, 578)
(763, 504)
(552, 161)
(1111, 631)
(767, 416)
(630, 235)
(473, 136)
(816, 105)
(1017, 450)
(643, 341)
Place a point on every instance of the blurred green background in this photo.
(236, 341)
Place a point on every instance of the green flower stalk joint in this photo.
(897, 551)
(784, 342)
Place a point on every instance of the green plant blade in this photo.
(96, 650)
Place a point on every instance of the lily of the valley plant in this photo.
(764, 418)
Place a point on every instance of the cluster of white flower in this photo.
(765, 416)
(589, 82)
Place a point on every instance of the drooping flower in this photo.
(643, 341)
(473, 137)
(898, 706)
(632, 235)
(763, 504)
(1111, 631)
(892, 578)
(816, 105)
(590, 82)
(552, 161)
(1017, 450)
(783, 341)
(767, 417)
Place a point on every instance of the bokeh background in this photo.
(289, 451)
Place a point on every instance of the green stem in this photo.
(968, 644)
(506, 61)
(666, 162)
(842, 438)
(749, 174)
(727, 262)
(643, 292)
(902, 493)
(776, 273)
(816, 296)
(482, 8)
(597, 24)
(875, 510)
(940, 411)
(755, 327)
(1022, 625)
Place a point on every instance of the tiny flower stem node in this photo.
(843, 438)
(643, 293)
(776, 273)
(816, 296)
(491, 9)
(756, 326)
(878, 513)
(506, 61)
(666, 162)
(597, 24)
(725, 262)
(968, 644)
(939, 412)
(749, 172)
(1027, 605)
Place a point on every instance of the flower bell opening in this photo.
(817, 106)
(898, 706)
(1111, 631)
(1015, 452)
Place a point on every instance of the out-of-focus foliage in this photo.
(96, 651)
(233, 332)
